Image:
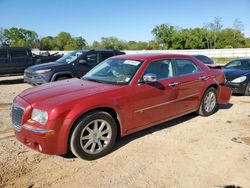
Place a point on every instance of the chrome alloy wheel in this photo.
(96, 136)
(210, 101)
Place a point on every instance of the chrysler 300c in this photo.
(122, 95)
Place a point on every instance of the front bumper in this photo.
(35, 79)
(37, 139)
(49, 139)
(237, 88)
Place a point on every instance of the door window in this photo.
(3, 54)
(18, 53)
(106, 55)
(91, 58)
(162, 69)
(185, 66)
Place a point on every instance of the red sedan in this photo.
(122, 95)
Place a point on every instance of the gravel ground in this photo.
(190, 151)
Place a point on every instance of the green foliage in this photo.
(166, 36)
(18, 37)
(248, 42)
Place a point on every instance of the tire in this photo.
(209, 98)
(62, 78)
(247, 92)
(88, 140)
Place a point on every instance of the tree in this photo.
(248, 42)
(47, 43)
(164, 35)
(81, 42)
(230, 38)
(238, 25)
(214, 28)
(112, 43)
(19, 37)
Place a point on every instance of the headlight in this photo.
(239, 79)
(43, 71)
(39, 116)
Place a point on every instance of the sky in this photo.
(125, 19)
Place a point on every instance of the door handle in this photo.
(173, 84)
(202, 78)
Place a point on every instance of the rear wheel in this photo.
(247, 92)
(208, 103)
(94, 135)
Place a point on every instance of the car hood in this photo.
(64, 91)
(44, 66)
(234, 73)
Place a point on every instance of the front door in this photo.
(4, 62)
(155, 101)
(90, 60)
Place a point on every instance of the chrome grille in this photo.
(28, 74)
(17, 116)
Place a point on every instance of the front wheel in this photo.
(208, 103)
(247, 92)
(94, 135)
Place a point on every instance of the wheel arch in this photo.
(214, 85)
(111, 111)
(58, 74)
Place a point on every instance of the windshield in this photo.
(70, 57)
(238, 64)
(114, 71)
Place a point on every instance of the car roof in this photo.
(150, 56)
(98, 50)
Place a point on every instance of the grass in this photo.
(222, 60)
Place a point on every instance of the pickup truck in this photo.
(13, 61)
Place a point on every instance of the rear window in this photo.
(185, 66)
(3, 54)
(18, 53)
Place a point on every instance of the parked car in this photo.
(73, 64)
(204, 59)
(237, 73)
(13, 61)
(120, 96)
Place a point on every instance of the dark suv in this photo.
(73, 64)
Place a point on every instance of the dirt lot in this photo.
(191, 151)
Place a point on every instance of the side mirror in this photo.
(149, 77)
(82, 61)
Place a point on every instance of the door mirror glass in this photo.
(149, 77)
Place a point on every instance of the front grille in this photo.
(28, 74)
(17, 116)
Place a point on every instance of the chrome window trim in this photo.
(165, 103)
(175, 76)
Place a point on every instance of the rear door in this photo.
(189, 82)
(5, 67)
(20, 59)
